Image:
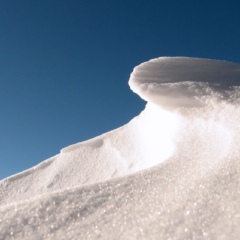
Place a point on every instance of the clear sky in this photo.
(64, 65)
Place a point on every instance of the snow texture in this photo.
(184, 82)
(172, 172)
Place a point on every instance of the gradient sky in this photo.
(64, 65)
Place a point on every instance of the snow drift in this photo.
(172, 172)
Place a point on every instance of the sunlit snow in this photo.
(172, 172)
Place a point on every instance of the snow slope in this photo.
(172, 172)
(123, 151)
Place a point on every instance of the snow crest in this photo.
(185, 82)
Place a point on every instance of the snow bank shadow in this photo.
(174, 82)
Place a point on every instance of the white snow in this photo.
(172, 172)
(184, 82)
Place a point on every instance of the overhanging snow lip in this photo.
(178, 81)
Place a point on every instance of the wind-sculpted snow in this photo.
(185, 82)
(172, 172)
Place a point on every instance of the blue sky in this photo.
(65, 65)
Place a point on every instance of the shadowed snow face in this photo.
(184, 82)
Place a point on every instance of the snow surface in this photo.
(184, 82)
(172, 172)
